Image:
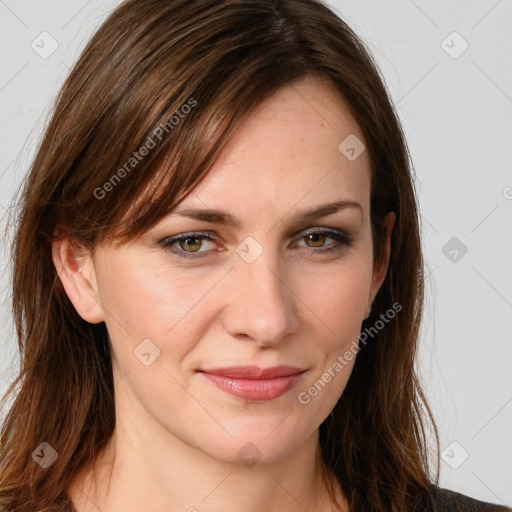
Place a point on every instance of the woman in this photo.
(218, 279)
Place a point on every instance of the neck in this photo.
(149, 469)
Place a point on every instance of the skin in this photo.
(177, 437)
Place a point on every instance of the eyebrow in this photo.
(225, 218)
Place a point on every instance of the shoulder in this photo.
(445, 500)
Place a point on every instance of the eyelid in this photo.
(207, 235)
(321, 229)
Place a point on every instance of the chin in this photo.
(252, 444)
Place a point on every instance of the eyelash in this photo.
(342, 239)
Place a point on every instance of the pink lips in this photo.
(254, 383)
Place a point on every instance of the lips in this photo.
(253, 382)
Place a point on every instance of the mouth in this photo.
(253, 382)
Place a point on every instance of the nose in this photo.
(261, 303)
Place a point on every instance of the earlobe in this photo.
(75, 268)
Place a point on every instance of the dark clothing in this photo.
(444, 500)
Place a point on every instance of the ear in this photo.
(380, 270)
(75, 267)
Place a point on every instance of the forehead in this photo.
(288, 152)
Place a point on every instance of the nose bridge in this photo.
(261, 304)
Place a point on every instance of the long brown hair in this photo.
(220, 58)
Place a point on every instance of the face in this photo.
(200, 306)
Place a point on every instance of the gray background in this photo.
(455, 106)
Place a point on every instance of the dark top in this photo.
(445, 500)
(439, 500)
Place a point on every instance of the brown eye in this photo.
(191, 244)
(325, 240)
(316, 239)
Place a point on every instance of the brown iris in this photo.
(194, 246)
(316, 238)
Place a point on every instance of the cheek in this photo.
(338, 300)
(144, 300)
(144, 295)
